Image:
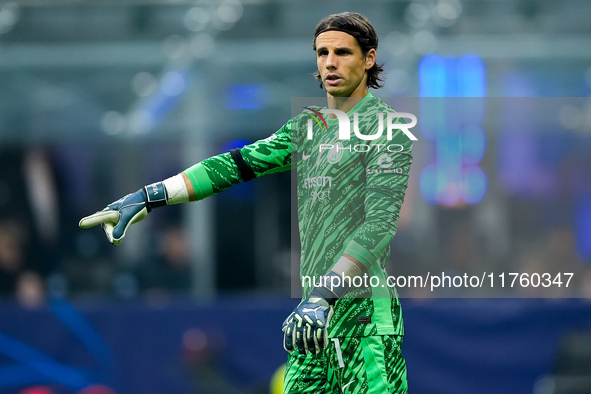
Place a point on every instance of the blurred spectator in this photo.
(202, 352)
(554, 254)
(462, 249)
(16, 277)
(12, 256)
(29, 223)
(585, 283)
(169, 271)
(30, 290)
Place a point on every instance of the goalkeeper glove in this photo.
(306, 327)
(119, 215)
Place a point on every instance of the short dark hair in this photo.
(359, 27)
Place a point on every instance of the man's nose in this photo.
(331, 61)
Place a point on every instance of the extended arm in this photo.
(202, 180)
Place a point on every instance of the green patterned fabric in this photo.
(350, 365)
(348, 202)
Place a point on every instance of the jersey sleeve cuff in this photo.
(197, 174)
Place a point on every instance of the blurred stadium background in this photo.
(98, 98)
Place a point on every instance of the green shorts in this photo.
(355, 365)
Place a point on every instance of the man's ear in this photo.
(370, 59)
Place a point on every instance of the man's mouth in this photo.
(332, 79)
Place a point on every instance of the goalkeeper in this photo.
(340, 338)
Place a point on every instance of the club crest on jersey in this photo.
(335, 154)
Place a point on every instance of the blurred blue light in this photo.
(245, 96)
(473, 144)
(475, 185)
(449, 153)
(471, 76)
(428, 183)
(452, 86)
(454, 125)
(233, 144)
(583, 227)
(471, 82)
(433, 114)
(160, 105)
(174, 83)
(516, 161)
(433, 76)
(432, 83)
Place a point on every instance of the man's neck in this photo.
(345, 104)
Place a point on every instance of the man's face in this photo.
(342, 65)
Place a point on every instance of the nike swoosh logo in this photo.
(345, 386)
(306, 310)
(305, 156)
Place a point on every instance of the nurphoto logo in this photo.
(345, 124)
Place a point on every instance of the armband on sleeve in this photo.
(246, 173)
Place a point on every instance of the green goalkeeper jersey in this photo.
(349, 194)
